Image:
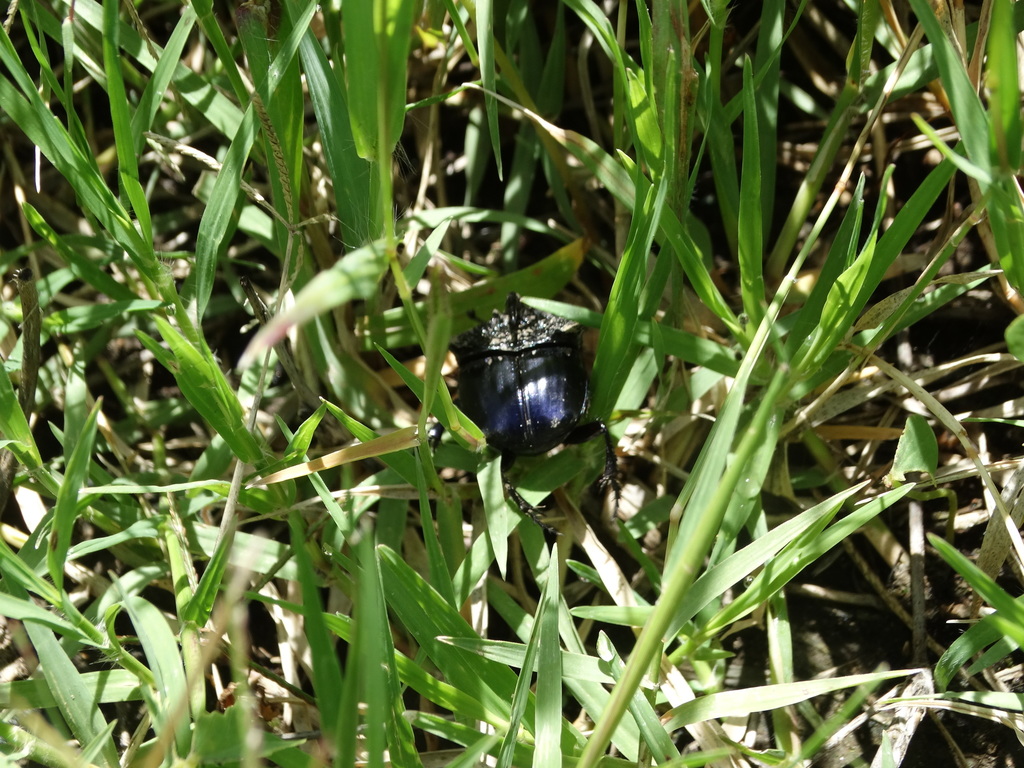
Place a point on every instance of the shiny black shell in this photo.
(521, 378)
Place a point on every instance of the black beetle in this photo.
(522, 381)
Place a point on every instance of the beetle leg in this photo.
(534, 513)
(610, 476)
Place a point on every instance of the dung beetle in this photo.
(522, 381)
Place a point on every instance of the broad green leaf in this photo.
(917, 450)
(219, 741)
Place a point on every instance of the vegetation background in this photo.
(795, 231)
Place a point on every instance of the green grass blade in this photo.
(386, 730)
(1010, 613)
(355, 276)
(76, 700)
(721, 577)
(427, 616)
(218, 217)
(204, 386)
(522, 695)
(485, 44)
(767, 64)
(617, 341)
(745, 702)
(156, 87)
(65, 511)
(1006, 215)
(120, 113)
(207, 98)
(110, 686)
(377, 37)
(32, 116)
(588, 688)
(76, 405)
(750, 225)
(973, 643)
(643, 114)
(722, 153)
(212, 30)
(25, 610)
(354, 194)
(858, 63)
(550, 720)
(835, 293)
(164, 657)
(14, 426)
(1003, 82)
(800, 553)
(711, 497)
(653, 734)
(73, 251)
(325, 670)
(968, 111)
(95, 316)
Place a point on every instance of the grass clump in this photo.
(795, 232)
